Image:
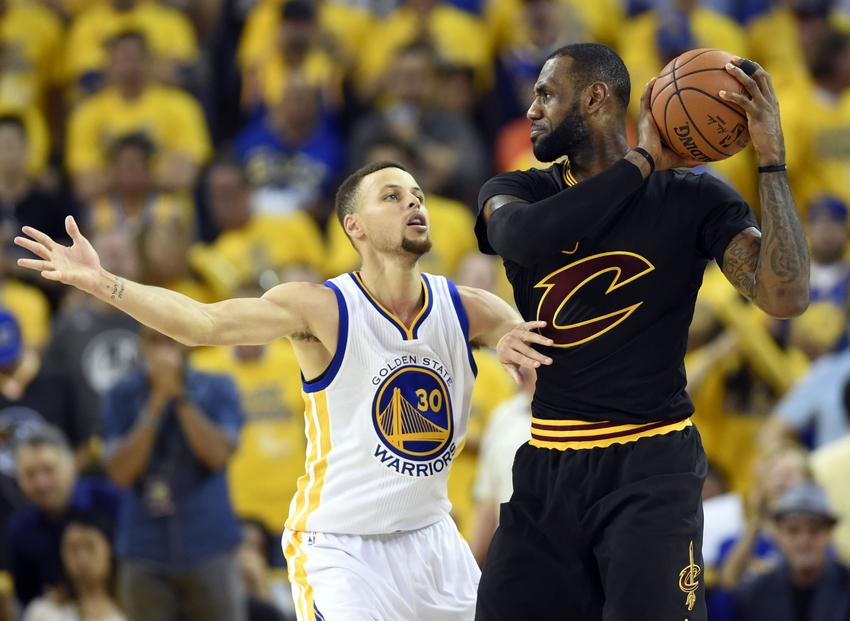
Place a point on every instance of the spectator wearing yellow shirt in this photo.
(263, 472)
(451, 149)
(133, 201)
(170, 118)
(297, 51)
(31, 43)
(163, 247)
(249, 248)
(459, 38)
(169, 34)
(652, 39)
(816, 118)
(27, 303)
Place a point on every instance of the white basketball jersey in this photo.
(388, 416)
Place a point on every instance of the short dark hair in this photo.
(349, 190)
(128, 35)
(299, 10)
(46, 435)
(15, 121)
(594, 62)
(136, 140)
(832, 45)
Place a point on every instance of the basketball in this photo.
(692, 118)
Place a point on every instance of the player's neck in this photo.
(597, 154)
(396, 285)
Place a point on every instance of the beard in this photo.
(571, 132)
(416, 247)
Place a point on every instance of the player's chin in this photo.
(419, 245)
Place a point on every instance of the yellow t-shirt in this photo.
(451, 230)
(817, 141)
(830, 465)
(458, 37)
(171, 118)
(31, 38)
(38, 136)
(344, 24)
(169, 34)
(263, 472)
(319, 68)
(492, 386)
(106, 215)
(239, 257)
(639, 50)
(774, 41)
(31, 308)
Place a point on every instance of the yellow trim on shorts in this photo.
(572, 434)
(310, 485)
(295, 560)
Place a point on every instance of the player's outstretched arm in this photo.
(770, 267)
(248, 321)
(493, 323)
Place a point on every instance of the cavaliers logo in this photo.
(688, 580)
(561, 285)
(412, 414)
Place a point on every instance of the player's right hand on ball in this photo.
(514, 350)
(650, 138)
(78, 265)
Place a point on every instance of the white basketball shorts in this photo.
(422, 575)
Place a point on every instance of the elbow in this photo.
(118, 476)
(786, 302)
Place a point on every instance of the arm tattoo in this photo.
(118, 289)
(740, 265)
(784, 247)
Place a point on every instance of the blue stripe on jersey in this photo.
(464, 322)
(325, 379)
(406, 335)
(429, 303)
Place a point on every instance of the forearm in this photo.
(739, 557)
(781, 284)
(527, 232)
(130, 458)
(206, 440)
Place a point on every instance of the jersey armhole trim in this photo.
(460, 311)
(324, 380)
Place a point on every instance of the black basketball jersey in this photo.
(619, 303)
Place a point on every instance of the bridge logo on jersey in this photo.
(412, 416)
(560, 286)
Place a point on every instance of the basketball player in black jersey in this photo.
(609, 249)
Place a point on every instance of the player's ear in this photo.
(596, 94)
(352, 226)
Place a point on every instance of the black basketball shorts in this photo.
(600, 531)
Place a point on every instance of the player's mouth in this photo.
(417, 221)
(536, 130)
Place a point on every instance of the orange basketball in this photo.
(692, 118)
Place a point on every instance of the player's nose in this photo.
(534, 111)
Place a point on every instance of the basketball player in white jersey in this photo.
(387, 375)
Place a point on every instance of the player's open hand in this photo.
(78, 265)
(514, 350)
(650, 138)
(762, 108)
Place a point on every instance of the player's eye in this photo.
(392, 197)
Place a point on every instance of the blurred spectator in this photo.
(724, 519)
(31, 44)
(754, 551)
(26, 302)
(169, 34)
(95, 344)
(133, 201)
(47, 476)
(169, 433)
(297, 52)
(249, 246)
(459, 39)
(449, 148)
(651, 40)
(22, 202)
(509, 427)
(87, 589)
(450, 222)
(785, 39)
(828, 235)
(343, 29)
(254, 559)
(830, 465)
(131, 102)
(292, 154)
(164, 248)
(809, 585)
(264, 470)
(816, 123)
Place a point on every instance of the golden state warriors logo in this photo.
(412, 415)
(560, 287)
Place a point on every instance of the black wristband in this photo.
(645, 153)
(776, 168)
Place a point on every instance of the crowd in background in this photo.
(199, 144)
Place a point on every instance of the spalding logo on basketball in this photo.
(686, 105)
